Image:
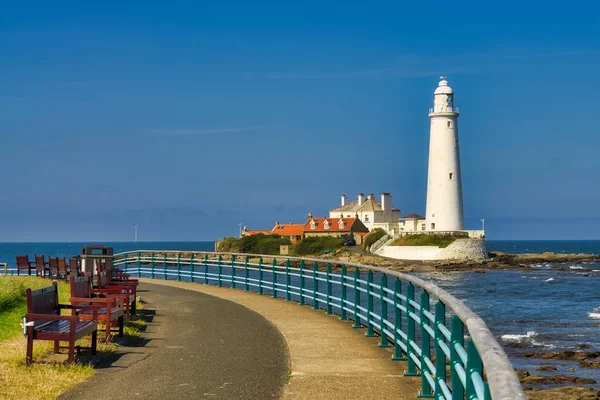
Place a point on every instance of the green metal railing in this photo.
(394, 306)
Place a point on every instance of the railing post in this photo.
(370, 332)
(474, 364)
(288, 295)
(397, 321)
(274, 279)
(165, 265)
(192, 268)
(356, 299)
(233, 271)
(440, 357)
(139, 264)
(425, 346)
(220, 271)
(456, 339)
(410, 331)
(179, 266)
(302, 282)
(260, 276)
(152, 265)
(246, 275)
(206, 269)
(384, 311)
(344, 294)
(315, 286)
(329, 307)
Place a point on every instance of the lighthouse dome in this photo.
(443, 87)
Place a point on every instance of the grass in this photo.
(424, 240)
(47, 377)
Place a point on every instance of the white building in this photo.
(444, 210)
(372, 213)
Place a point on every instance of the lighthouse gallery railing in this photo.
(392, 305)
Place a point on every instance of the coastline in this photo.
(497, 261)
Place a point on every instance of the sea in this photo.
(548, 307)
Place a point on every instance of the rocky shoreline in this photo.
(497, 261)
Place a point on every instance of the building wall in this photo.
(333, 234)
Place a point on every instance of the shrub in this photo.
(317, 245)
(424, 240)
(372, 237)
(254, 244)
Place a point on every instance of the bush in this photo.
(424, 240)
(317, 245)
(372, 237)
(255, 244)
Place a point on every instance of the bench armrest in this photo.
(51, 317)
(100, 300)
(95, 309)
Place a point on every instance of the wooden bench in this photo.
(41, 266)
(23, 263)
(44, 322)
(53, 267)
(127, 291)
(98, 308)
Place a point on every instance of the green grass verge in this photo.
(424, 240)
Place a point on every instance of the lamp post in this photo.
(135, 230)
(240, 229)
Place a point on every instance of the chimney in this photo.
(276, 223)
(386, 201)
(361, 198)
(343, 200)
(370, 196)
(309, 215)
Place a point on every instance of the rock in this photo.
(590, 362)
(583, 346)
(564, 393)
(528, 379)
(547, 368)
(571, 369)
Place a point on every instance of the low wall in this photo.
(460, 249)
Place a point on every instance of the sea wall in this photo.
(460, 249)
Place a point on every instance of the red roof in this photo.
(334, 225)
(288, 229)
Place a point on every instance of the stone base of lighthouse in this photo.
(460, 249)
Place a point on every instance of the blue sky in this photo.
(190, 118)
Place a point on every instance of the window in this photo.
(423, 227)
(326, 224)
(341, 223)
(312, 225)
(367, 218)
(432, 225)
(449, 124)
(450, 175)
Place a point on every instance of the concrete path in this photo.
(329, 359)
(196, 346)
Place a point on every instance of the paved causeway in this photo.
(198, 346)
(210, 342)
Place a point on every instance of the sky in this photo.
(189, 119)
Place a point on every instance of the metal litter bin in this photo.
(89, 255)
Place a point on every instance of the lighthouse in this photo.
(444, 210)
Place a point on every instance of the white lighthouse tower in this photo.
(444, 189)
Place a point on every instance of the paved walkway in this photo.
(329, 359)
(196, 346)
